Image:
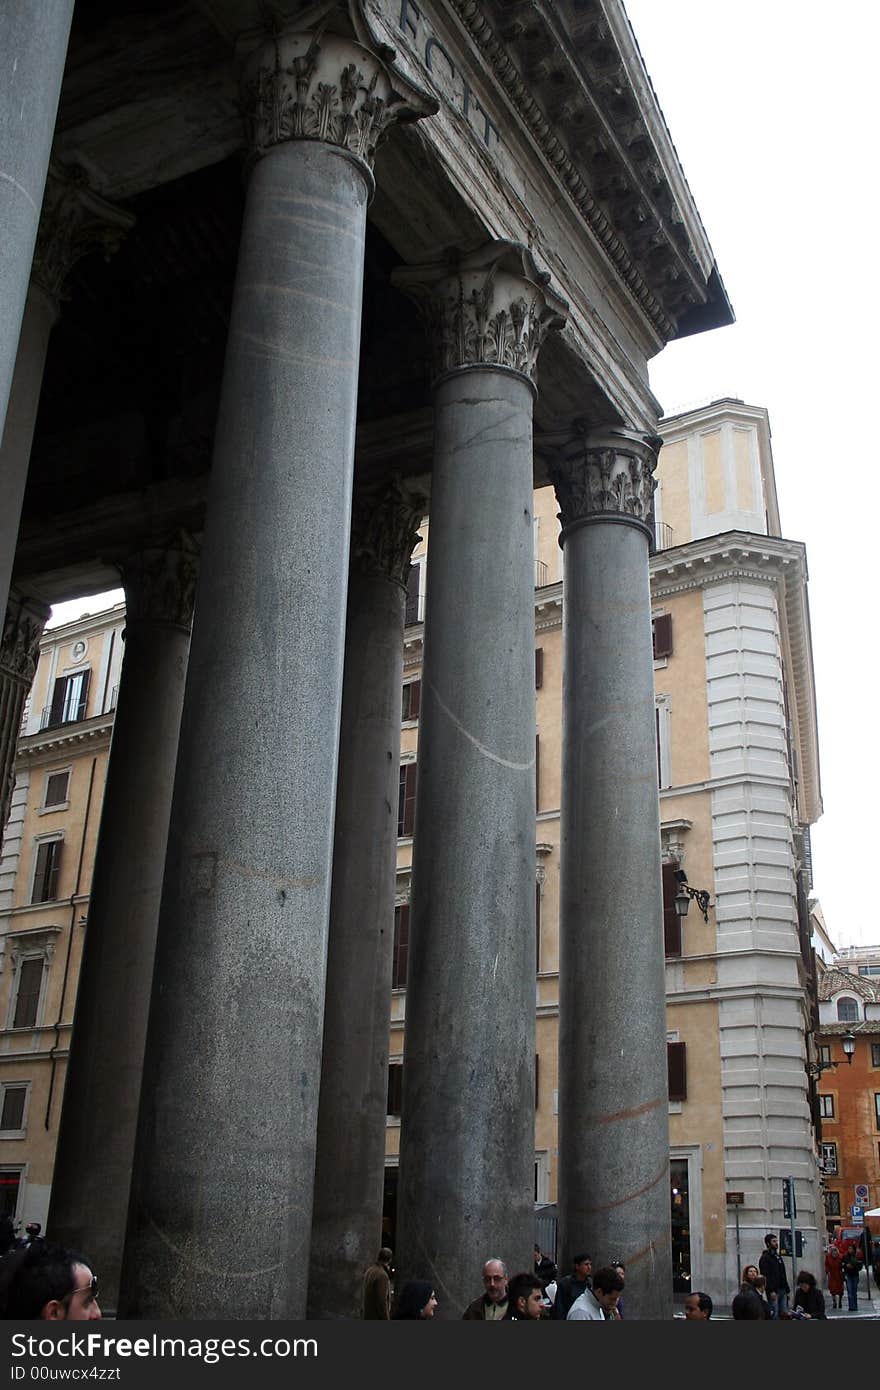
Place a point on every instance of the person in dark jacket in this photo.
(772, 1266)
(749, 1304)
(525, 1298)
(491, 1306)
(377, 1287)
(416, 1301)
(809, 1300)
(852, 1268)
(572, 1286)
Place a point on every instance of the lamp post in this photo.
(684, 894)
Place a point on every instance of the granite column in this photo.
(221, 1210)
(74, 222)
(350, 1164)
(33, 47)
(467, 1128)
(92, 1175)
(613, 1122)
(19, 651)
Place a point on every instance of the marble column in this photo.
(221, 1211)
(350, 1164)
(33, 47)
(613, 1125)
(92, 1175)
(467, 1136)
(74, 222)
(19, 653)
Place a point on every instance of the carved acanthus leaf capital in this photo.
(160, 582)
(384, 531)
(490, 307)
(22, 630)
(607, 474)
(74, 221)
(332, 84)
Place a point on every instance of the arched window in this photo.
(847, 1010)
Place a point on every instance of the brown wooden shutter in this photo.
(401, 947)
(415, 699)
(539, 667)
(537, 1087)
(671, 919)
(46, 871)
(538, 927)
(661, 628)
(59, 690)
(84, 695)
(537, 773)
(30, 982)
(676, 1067)
(406, 799)
(395, 1088)
(412, 595)
(56, 788)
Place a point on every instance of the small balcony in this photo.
(541, 574)
(663, 535)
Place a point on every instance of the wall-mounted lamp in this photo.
(684, 894)
(848, 1040)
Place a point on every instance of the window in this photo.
(661, 634)
(400, 956)
(877, 1109)
(832, 1203)
(539, 667)
(676, 1067)
(662, 731)
(829, 1158)
(406, 800)
(28, 990)
(538, 926)
(875, 1054)
(70, 697)
(57, 785)
(537, 773)
(12, 1107)
(826, 1107)
(824, 1055)
(537, 1086)
(46, 869)
(10, 1185)
(415, 598)
(671, 919)
(869, 969)
(847, 1010)
(412, 700)
(395, 1088)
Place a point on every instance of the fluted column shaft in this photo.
(467, 1128)
(19, 652)
(613, 1123)
(350, 1163)
(33, 47)
(222, 1189)
(92, 1175)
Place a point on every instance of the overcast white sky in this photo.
(771, 104)
(772, 108)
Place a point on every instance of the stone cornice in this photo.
(575, 76)
(48, 743)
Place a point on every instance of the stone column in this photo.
(350, 1165)
(467, 1139)
(92, 1176)
(73, 223)
(613, 1125)
(33, 47)
(221, 1212)
(19, 653)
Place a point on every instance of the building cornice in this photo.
(66, 738)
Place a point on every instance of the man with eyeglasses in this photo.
(49, 1283)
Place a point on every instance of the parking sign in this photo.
(857, 1214)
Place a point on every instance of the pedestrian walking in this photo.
(772, 1266)
(852, 1268)
(750, 1304)
(834, 1274)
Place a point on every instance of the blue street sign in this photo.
(857, 1214)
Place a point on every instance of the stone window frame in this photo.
(847, 999)
(47, 838)
(30, 944)
(21, 1132)
(826, 1107)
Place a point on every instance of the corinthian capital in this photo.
(607, 476)
(74, 221)
(160, 582)
(384, 530)
(490, 307)
(333, 84)
(22, 630)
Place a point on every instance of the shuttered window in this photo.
(27, 1000)
(395, 1088)
(671, 919)
(537, 1086)
(661, 631)
(406, 801)
(539, 667)
(537, 773)
(56, 788)
(538, 927)
(412, 595)
(401, 947)
(46, 871)
(412, 700)
(70, 697)
(12, 1117)
(676, 1067)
